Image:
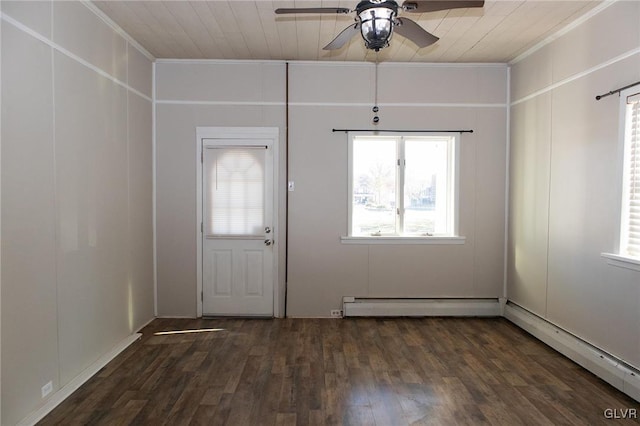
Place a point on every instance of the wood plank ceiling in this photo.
(239, 29)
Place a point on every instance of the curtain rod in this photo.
(401, 131)
(616, 91)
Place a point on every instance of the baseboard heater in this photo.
(397, 307)
(609, 368)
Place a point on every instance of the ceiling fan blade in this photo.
(283, 11)
(421, 6)
(343, 37)
(414, 32)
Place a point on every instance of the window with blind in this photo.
(630, 220)
(234, 191)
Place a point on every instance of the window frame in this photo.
(453, 178)
(621, 258)
(626, 114)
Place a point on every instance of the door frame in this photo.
(226, 133)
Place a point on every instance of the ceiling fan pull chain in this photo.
(375, 108)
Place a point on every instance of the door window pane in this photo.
(374, 186)
(234, 191)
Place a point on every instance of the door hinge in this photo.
(202, 296)
(398, 161)
(201, 227)
(202, 156)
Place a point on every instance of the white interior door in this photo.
(237, 238)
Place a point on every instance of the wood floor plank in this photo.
(382, 372)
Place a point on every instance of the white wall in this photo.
(324, 96)
(425, 96)
(77, 244)
(565, 180)
(0, 223)
(192, 94)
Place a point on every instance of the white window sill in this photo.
(622, 261)
(403, 240)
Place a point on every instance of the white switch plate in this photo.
(291, 186)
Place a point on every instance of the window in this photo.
(630, 219)
(402, 186)
(234, 191)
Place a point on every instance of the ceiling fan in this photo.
(377, 20)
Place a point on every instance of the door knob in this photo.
(267, 242)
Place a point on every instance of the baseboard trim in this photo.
(65, 391)
(176, 317)
(609, 368)
(391, 307)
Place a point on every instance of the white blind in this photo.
(631, 204)
(234, 188)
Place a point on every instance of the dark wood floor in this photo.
(431, 371)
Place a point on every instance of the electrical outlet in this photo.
(46, 389)
(336, 313)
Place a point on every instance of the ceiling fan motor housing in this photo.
(376, 22)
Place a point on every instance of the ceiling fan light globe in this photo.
(376, 26)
